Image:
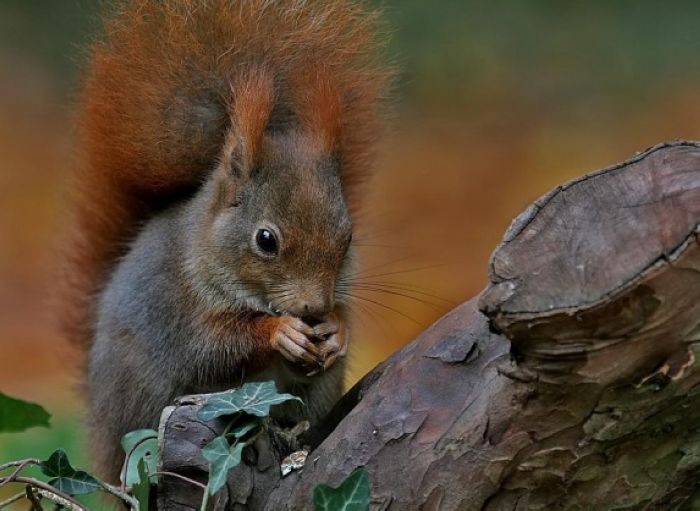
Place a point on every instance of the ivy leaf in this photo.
(221, 458)
(254, 398)
(243, 429)
(351, 495)
(17, 415)
(142, 489)
(146, 450)
(65, 478)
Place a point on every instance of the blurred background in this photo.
(495, 104)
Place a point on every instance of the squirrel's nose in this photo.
(312, 299)
(317, 308)
(312, 303)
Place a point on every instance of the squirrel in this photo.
(224, 147)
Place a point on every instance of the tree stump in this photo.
(571, 382)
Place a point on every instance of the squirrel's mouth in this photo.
(254, 299)
(258, 304)
(265, 308)
(312, 321)
(271, 309)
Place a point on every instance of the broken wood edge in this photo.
(500, 288)
(520, 223)
(504, 320)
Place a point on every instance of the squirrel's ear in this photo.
(252, 100)
(236, 161)
(318, 105)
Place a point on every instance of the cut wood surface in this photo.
(571, 382)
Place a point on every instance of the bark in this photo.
(571, 382)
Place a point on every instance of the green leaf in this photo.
(142, 489)
(254, 398)
(17, 415)
(243, 429)
(65, 478)
(146, 450)
(351, 495)
(221, 457)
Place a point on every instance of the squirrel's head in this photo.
(279, 227)
(278, 232)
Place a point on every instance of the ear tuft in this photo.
(318, 105)
(252, 101)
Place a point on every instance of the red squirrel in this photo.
(224, 146)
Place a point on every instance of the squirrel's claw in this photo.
(291, 340)
(332, 347)
(330, 326)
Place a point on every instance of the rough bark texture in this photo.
(571, 382)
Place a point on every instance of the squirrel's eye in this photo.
(266, 241)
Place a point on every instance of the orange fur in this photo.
(320, 106)
(252, 103)
(168, 80)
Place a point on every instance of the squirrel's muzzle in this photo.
(312, 303)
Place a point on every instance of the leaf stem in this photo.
(179, 476)
(125, 465)
(205, 500)
(20, 465)
(129, 499)
(25, 462)
(51, 493)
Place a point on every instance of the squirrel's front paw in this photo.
(333, 341)
(291, 339)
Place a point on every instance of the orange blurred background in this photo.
(496, 103)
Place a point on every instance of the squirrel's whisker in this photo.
(423, 301)
(361, 275)
(379, 304)
(408, 292)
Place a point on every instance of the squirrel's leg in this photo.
(124, 394)
(326, 383)
(324, 391)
